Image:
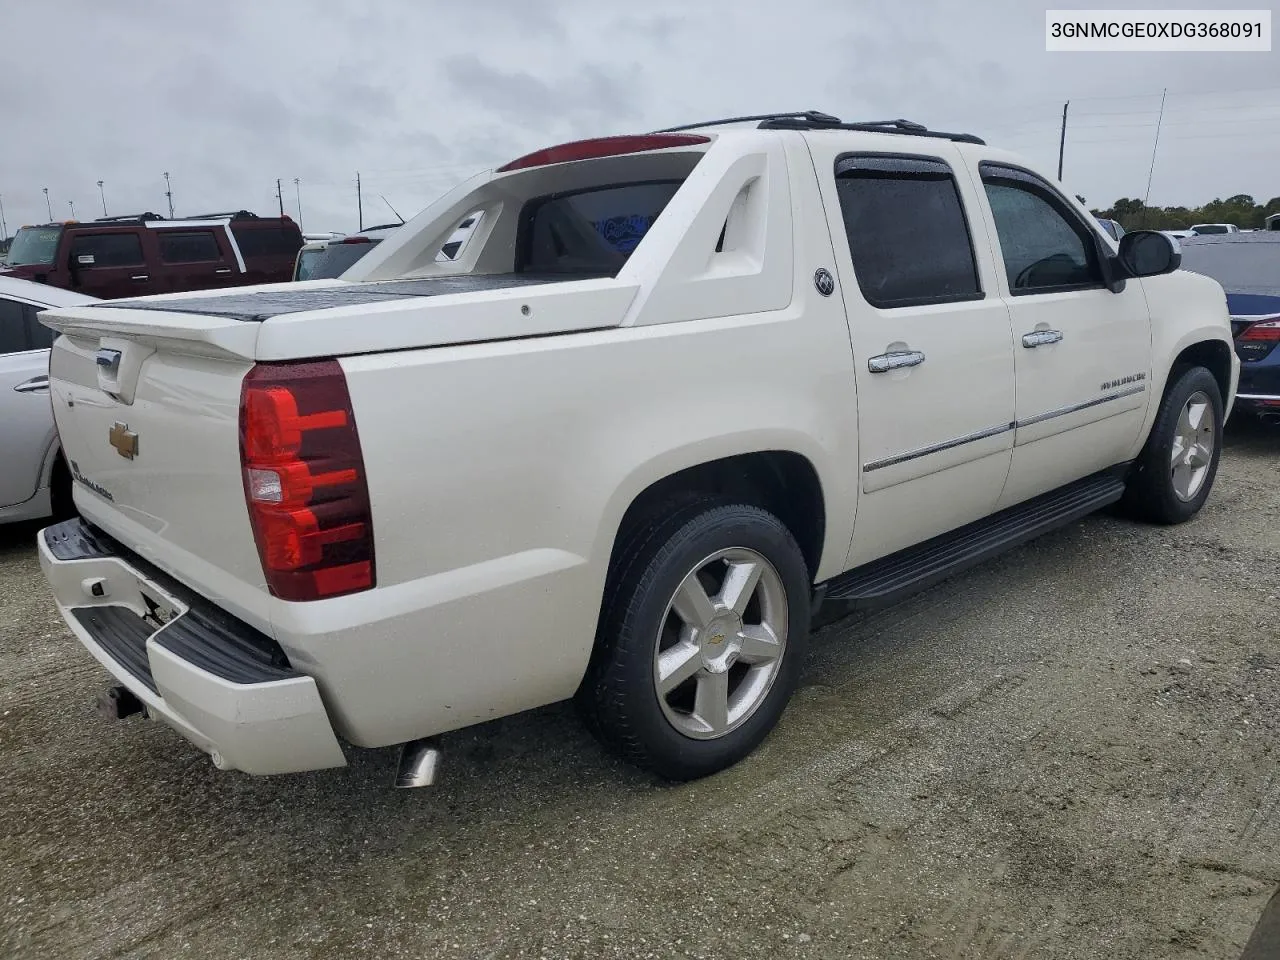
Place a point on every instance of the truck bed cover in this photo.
(265, 304)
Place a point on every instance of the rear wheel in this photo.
(1175, 471)
(701, 640)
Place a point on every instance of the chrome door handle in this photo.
(141, 276)
(1040, 338)
(223, 270)
(895, 360)
(32, 385)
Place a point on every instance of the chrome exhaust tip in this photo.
(419, 763)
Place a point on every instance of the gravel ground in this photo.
(1069, 752)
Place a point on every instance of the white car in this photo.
(1204, 229)
(675, 390)
(35, 481)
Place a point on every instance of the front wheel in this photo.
(701, 640)
(1175, 471)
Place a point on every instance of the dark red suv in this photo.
(136, 255)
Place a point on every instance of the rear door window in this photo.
(908, 236)
(590, 232)
(267, 241)
(13, 330)
(107, 249)
(196, 246)
(38, 335)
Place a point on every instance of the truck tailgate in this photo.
(149, 425)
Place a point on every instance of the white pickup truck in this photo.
(675, 390)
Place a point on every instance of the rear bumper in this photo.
(224, 686)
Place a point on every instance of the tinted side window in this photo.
(907, 231)
(267, 241)
(13, 333)
(39, 336)
(196, 247)
(107, 249)
(1045, 246)
(590, 231)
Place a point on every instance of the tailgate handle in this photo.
(32, 385)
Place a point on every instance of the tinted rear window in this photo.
(195, 247)
(592, 231)
(332, 261)
(267, 241)
(1241, 266)
(908, 236)
(107, 249)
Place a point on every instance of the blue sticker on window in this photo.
(625, 232)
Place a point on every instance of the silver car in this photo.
(34, 482)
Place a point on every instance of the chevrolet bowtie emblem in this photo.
(123, 439)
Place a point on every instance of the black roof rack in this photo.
(817, 120)
(812, 115)
(130, 218)
(232, 214)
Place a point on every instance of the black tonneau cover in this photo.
(273, 303)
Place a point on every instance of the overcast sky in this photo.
(229, 96)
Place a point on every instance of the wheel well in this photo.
(782, 482)
(1214, 356)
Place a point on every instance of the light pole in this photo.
(103, 195)
(46, 204)
(4, 230)
(168, 192)
(72, 205)
(297, 190)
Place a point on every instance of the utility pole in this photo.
(279, 196)
(72, 205)
(1156, 143)
(359, 203)
(47, 205)
(297, 190)
(1062, 140)
(4, 230)
(168, 192)
(104, 198)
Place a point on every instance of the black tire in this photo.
(1150, 493)
(619, 694)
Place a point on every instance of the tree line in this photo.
(1242, 210)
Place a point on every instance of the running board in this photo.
(891, 578)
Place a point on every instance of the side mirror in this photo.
(1149, 253)
(85, 260)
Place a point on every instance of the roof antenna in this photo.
(393, 209)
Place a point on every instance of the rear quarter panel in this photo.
(499, 474)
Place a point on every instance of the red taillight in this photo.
(304, 480)
(603, 147)
(1267, 331)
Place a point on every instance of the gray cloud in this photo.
(228, 97)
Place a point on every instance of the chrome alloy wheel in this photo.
(720, 645)
(1193, 441)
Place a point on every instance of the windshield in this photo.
(1210, 228)
(1241, 267)
(34, 245)
(332, 260)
